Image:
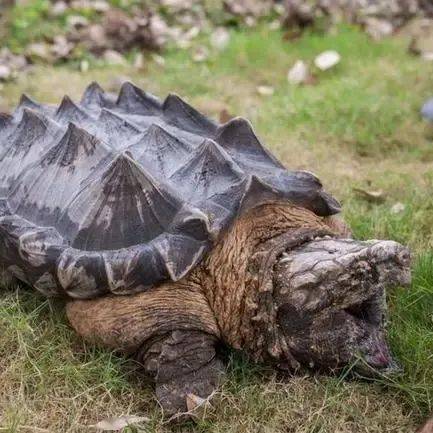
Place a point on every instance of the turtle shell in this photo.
(117, 194)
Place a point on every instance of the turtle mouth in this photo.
(374, 353)
(332, 303)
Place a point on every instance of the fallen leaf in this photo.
(265, 90)
(194, 401)
(225, 116)
(118, 423)
(371, 196)
(327, 60)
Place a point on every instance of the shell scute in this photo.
(115, 195)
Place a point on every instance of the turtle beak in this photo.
(332, 303)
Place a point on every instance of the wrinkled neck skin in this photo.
(237, 276)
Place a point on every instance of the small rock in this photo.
(84, 65)
(114, 58)
(248, 8)
(427, 56)
(427, 110)
(159, 60)
(299, 73)
(279, 9)
(327, 60)
(274, 25)
(220, 38)
(58, 8)
(420, 32)
(139, 61)
(61, 48)
(192, 33)
(201, 54)
(397, 208)
(378, 28)
(5, 73)
(100, 6)
(250, 21)
(77, 21)
(265, 90)
(159, 29)
(177, 5)
(40, 51)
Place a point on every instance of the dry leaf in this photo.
(194, 401)
(225, 116)
(118, 423)
(371, 196)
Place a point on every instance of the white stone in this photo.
(5, 73)
(220, 38)
(327, 60)
(114, 58)
(299, 73)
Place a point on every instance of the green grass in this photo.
(358, 127)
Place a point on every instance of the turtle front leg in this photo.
(170, 330)
(183, 364)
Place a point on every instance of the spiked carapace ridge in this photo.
(119, 194)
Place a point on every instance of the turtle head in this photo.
(331, 303)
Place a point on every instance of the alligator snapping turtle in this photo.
(207, 237)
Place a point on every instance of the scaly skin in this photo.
(251, 293)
